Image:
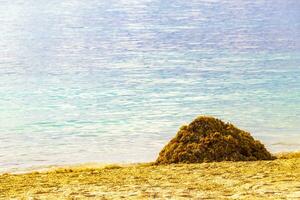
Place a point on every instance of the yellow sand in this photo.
(278, 179)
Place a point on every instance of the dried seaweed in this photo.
(208, 139)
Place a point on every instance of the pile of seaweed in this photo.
(208, 139)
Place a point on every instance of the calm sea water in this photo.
(112, 80)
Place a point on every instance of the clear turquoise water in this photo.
(111, 81)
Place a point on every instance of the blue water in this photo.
(113, 80)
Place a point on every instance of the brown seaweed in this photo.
(207, 139)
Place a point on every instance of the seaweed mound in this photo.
(207, 139)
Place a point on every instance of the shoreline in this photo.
(274, 179)
(47, 168)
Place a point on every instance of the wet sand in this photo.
(277, 179)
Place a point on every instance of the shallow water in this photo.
(111, 81)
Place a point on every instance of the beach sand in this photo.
(277, 179)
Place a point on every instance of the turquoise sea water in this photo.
(113, 80)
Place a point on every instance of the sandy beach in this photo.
(277, 179)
